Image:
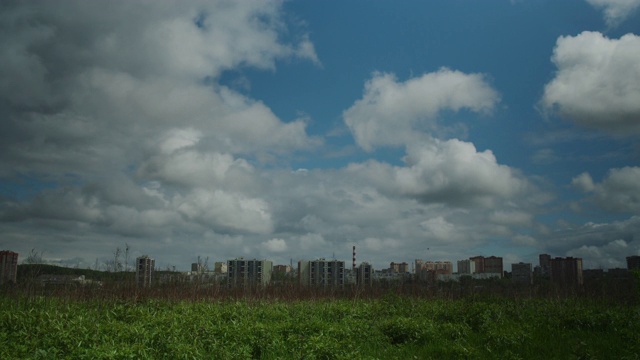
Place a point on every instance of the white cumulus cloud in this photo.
(451, 171)
(597, 83)
(390, 112)
(619, 191)
(615, 11)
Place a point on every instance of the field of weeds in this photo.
(390, 327)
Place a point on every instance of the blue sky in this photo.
(295, 130)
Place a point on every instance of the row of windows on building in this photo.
(321, 272)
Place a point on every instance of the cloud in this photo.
(226, 212)
(511, 218)
(119, 107)
(597, 83)
(525, 240)
(390, 112)
(451, 172)
(119, 116)
(192, 168)
(607, 256)
(275, 245)
(619, 191)
(100, 90)
(439, 229)
(545, 156)
(583, 182)
(579, 238)
(615, 11)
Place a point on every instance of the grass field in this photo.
(390, 327)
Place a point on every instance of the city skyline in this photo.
(470, 265)
(296, 130)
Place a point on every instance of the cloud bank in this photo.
(116, 127)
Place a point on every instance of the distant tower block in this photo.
(144, 270)
(354, 258)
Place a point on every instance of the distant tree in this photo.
(126, 257)
(34, 257)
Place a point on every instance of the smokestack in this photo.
(354, 257)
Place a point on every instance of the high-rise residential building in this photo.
(429, 270)
(545, 264)
(321, 272)
(633, 262)
(566, 271)
(440, 267)
(493, 265)
(399, 267)
(144, 270)
(488, 265)
(364, 274)
(466, 267)
(479, 263)
(8, 266)
(521, 273)
(244, 272)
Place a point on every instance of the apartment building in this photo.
(244, 272)
(566, 271)
(321, 272)
(488, 265)
(521, 273)
(8, 266)
(466, 267)
(144, 270)
(364, 274)
(402, 267)
(633, 262)
(545, 264)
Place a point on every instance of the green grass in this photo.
(391, 327)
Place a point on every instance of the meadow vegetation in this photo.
(474, 320)
(387, 327)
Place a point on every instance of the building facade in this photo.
(429, 270)
(364, 274)
(493, 265)
(144, 271)
(478, 262)
(466, 267)
(545, 264)
(244, 272)
(566, 271)
(521, 273)
(488, 265)
(8, 267)
(633, 262)
(321, 272)
(402, 267)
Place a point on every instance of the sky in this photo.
(434, 130)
